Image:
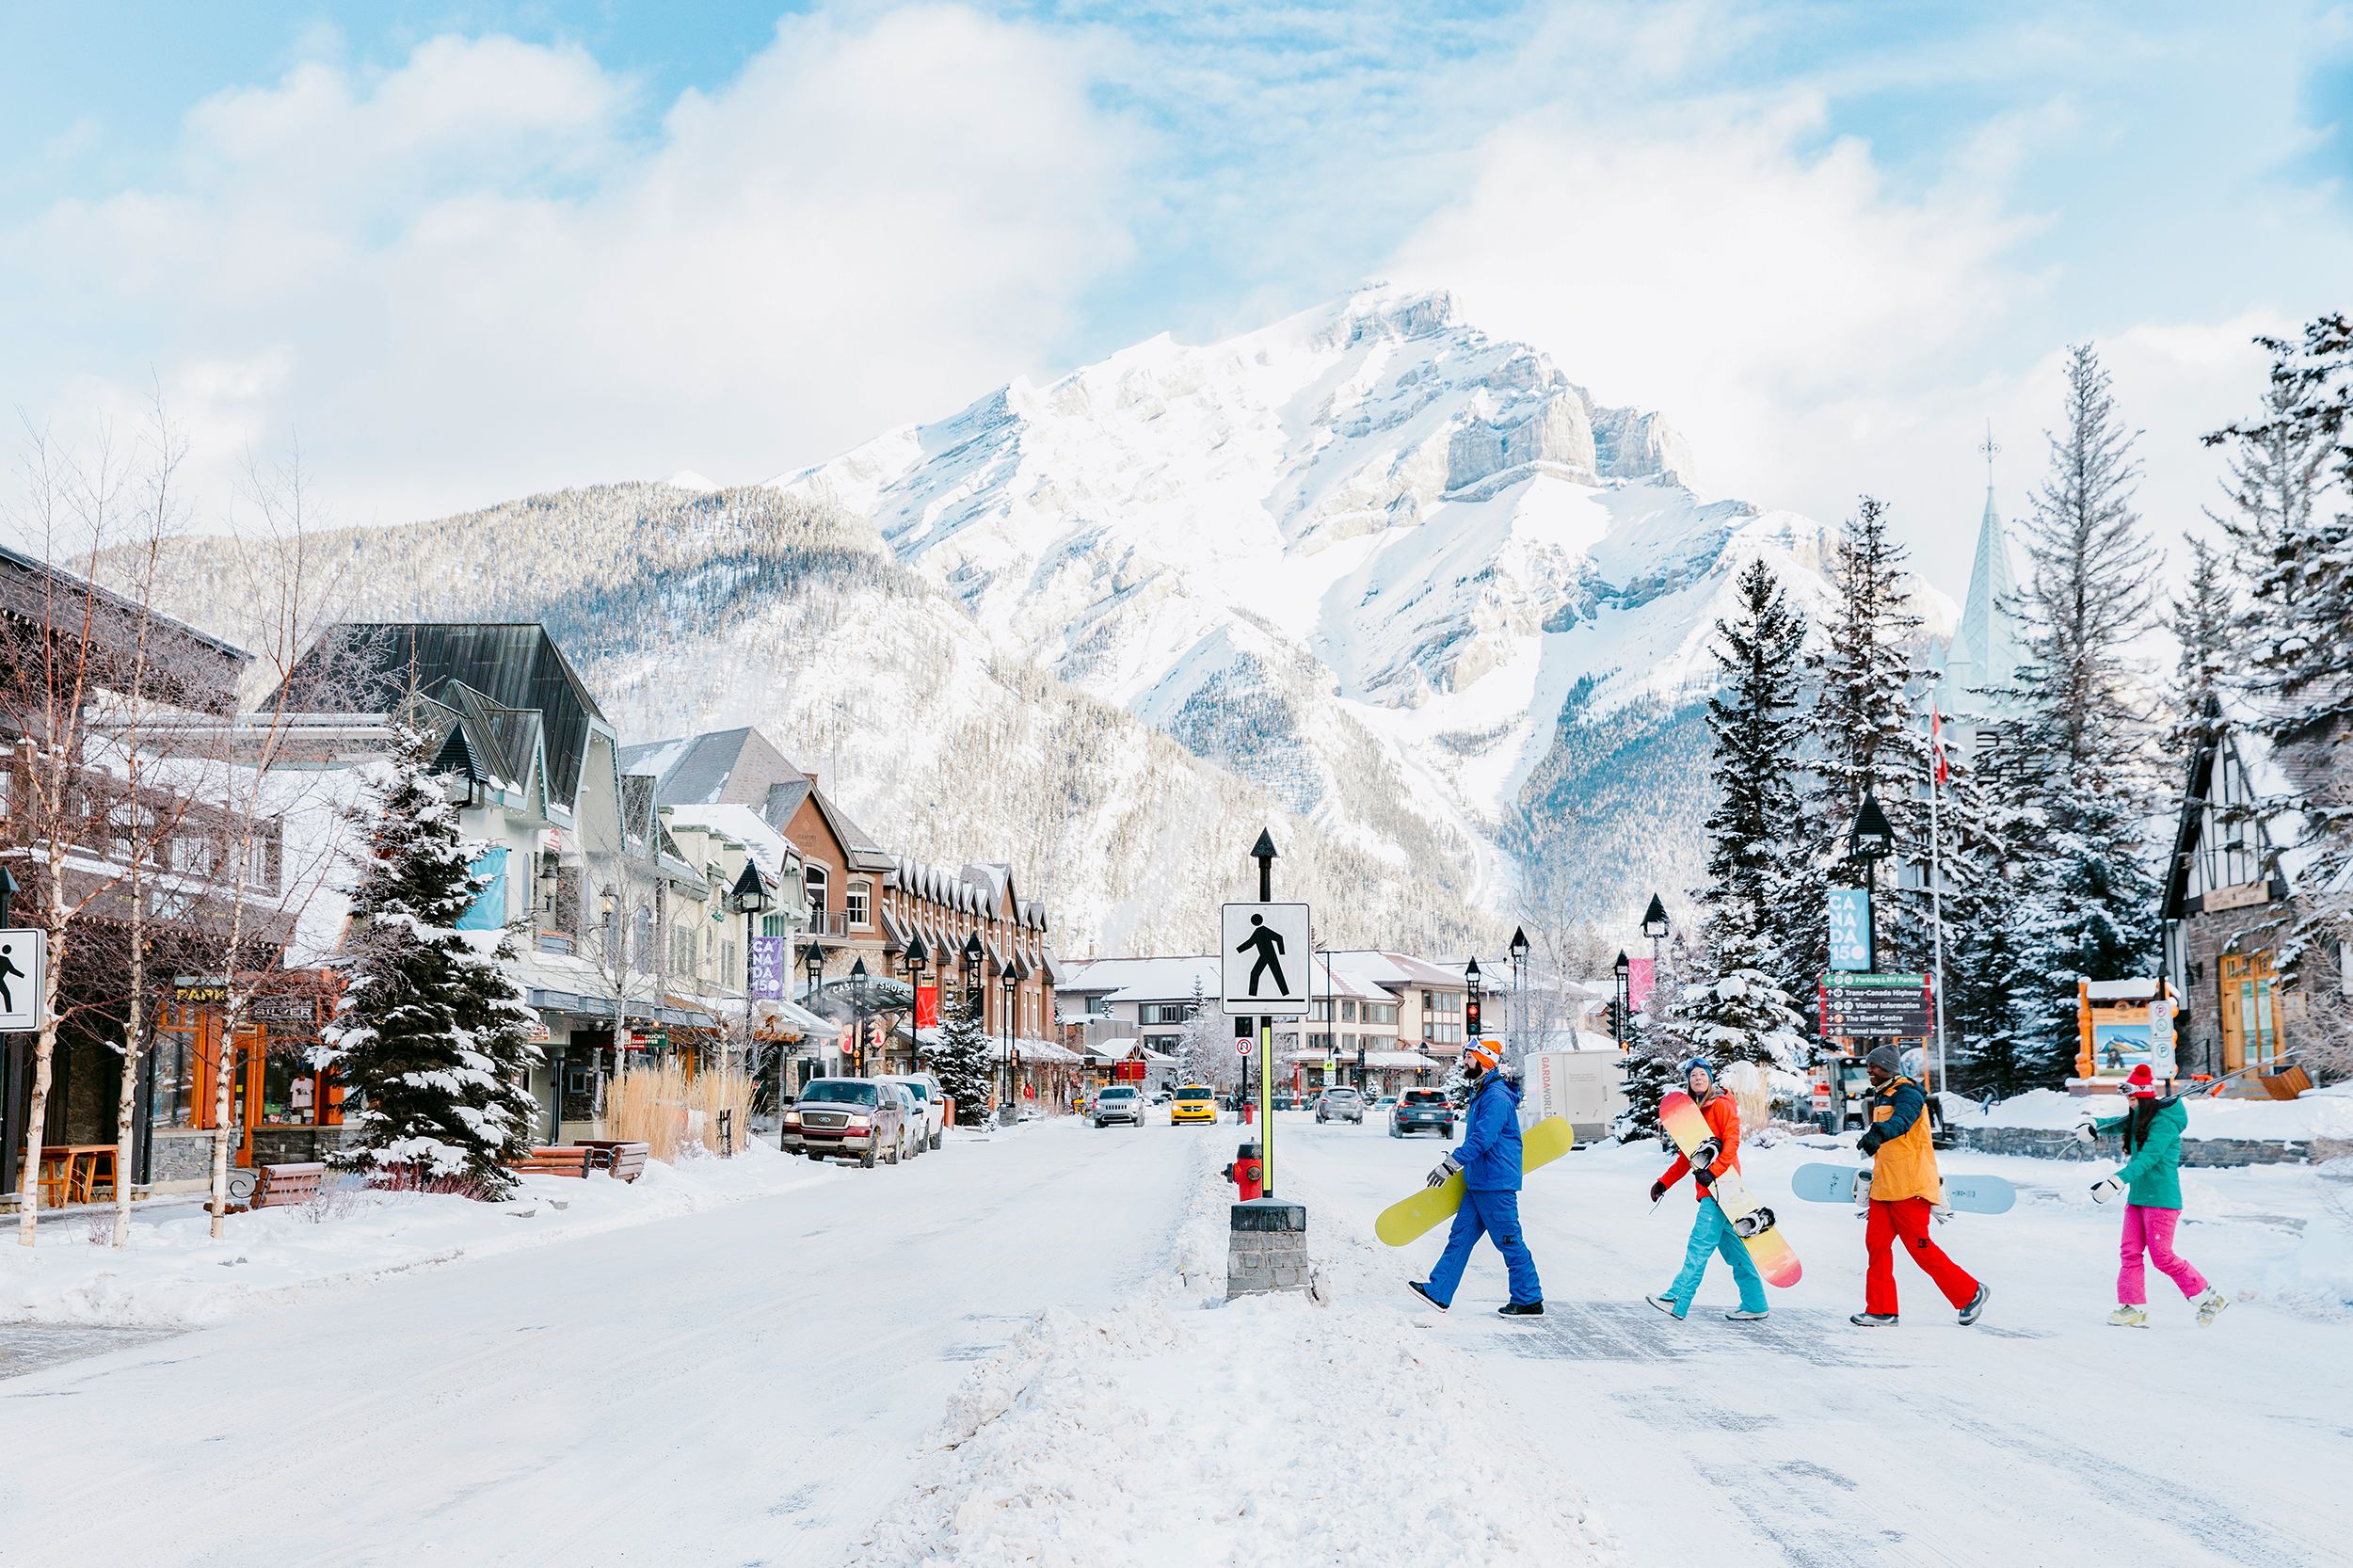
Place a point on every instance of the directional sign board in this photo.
(1878, 1006)
(1266, 959)
(24, 964)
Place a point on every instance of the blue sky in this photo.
(469, 250)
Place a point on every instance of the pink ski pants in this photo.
(2151, 1230)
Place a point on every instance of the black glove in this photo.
(1657, 1190)
(1703, 1178)
(1870, 1142)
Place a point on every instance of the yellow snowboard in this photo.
(1409, 1219)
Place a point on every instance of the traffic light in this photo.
(1471, 1016)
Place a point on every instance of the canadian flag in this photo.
(1940, 766)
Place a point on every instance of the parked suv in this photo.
(838, 1118)
(1341, 1105)
(1119, 1102)
(931, 1100)
(1421, 1111)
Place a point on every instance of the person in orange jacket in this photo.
(1905, 1191)
(1711, 1233)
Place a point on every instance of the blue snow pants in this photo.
(1712, 1233)
(1496, 1216)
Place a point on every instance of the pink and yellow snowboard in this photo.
(1751, 1221)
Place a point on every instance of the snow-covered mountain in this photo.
(1413, 579)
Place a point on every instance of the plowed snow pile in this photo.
(1180, 1430)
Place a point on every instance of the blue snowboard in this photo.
(1971, 1194)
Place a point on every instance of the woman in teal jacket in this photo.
(2152, 1184)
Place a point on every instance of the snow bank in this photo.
(2322, 1113)
(172, 1274)
(1180, 1428)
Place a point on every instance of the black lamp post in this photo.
(813, 965)
(1653, 927)
(1623, 1020)
(917, 958)
(751, 897)
(1871, 839)
(1012, 982)
(857, 1011)
(1519, 998)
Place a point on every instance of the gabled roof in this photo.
(722, 767)
(368, 667)
(203, 671)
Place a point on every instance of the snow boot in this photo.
(1422, 1289)
(1873, 1320)
(1742, 1315)
(2210, 1306)
(1976, 1309)
(1666, 1305)
(2128, 1316)
(1520, 1309)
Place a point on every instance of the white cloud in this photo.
(480, 273)
(1814, 331)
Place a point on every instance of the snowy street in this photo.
(1019, 1352)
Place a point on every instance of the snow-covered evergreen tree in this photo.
(428, 1045)
(1866, 737)
(1738, 1007)
(964, 1059)
(2082, 755)
(2205, 635)
(1205, 1051)
(2292, 539)
(495, 1011)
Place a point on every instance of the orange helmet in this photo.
(1486, 1053)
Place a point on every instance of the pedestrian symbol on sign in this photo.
(1269, 944)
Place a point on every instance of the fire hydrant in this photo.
(1248, 1172)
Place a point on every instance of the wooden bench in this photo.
(624, 1158)
(283, 1186)
(570, 1161)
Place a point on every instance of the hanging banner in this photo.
(768, 969)
(927, 1007)
(1640, 975)
(1849, 930)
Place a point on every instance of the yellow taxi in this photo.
(1195, 1102)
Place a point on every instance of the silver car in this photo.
(1118, 1103)
(1341, 1105)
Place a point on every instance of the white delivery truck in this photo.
(1586, 1088)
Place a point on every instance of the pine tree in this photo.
(2082, 757)
(1987, 837)
(1740, 1010)
(2203, 631)
(430, 1047)
(1866, 738)
(2292, 547)
(494, 1012)
(961, 1060)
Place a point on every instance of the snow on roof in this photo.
(1141, 978)
(743, 824)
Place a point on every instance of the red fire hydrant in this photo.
(1248, 1172)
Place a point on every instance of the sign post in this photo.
(1878, 1006)
(1264, 966)
(23, 975)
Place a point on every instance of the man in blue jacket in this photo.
(1490, 1162)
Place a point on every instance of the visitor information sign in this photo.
(1849, 930)
(1878, 1006)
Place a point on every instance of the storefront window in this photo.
(290, 1087)
(175, 1078)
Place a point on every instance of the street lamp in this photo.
(608, 908)
(1012, 982)
(1871, 839)
(1519, 1002)
(749, 898)
(1653, 927)
(813, 965)
(1623, 969)
(857, 1011)
(917, 958)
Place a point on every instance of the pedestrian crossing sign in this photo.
(1265, 959)
(24, 969)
